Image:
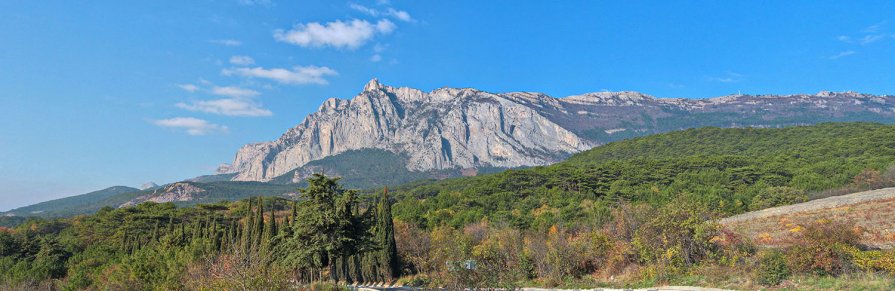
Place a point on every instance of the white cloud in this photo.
(229, 106)
(233, 91)
(399, 14)
(842, 54)
(364, 9)
(349, 34)
(192, 126)
(390, 12)
(227, 42)
(375, 58)
(843, 38)
(188, 87)
(298, 75)
(728, 77)
(385, 27)
(242, 60)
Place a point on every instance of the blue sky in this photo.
(121, 92)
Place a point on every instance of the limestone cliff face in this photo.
(176, 192)
(467, 128)
(443, 129)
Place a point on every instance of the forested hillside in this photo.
(727, 170)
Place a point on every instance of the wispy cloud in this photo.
(229, 107)
(242, 60)
(348, 34)
(873, 28)
(364, 9)
(866, 36)
(842, 54)
(675, 85)
(728, 77)
(255, 2)
(192, 126)
(234, 92)
(189, 87)
(388, 12)
(399, 14)
(868, 39)
(227, 42)
(298, 75)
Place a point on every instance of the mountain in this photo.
(450, 130)
(180, 193)
(190, 193)
(67, 205)
(370, 168)
(148, 185)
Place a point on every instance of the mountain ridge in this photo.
(60, 207)
(466, 128)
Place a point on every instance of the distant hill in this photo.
(181, 193)
(65, 206)
(212, 178)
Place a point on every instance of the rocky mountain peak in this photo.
(462, 128)
(372, 85)
(611, 98)
(148, 185)
(180, 191)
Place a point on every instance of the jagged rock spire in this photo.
(372, 85)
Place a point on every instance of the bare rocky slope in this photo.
(870, 212)
(451, 128)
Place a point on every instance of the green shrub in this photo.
(771, 269)
(823, 248)
(875, 261)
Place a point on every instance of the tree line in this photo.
(327, 234)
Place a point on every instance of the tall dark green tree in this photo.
(389, 266)
(247, 234)
(258, 230)
(326, 228)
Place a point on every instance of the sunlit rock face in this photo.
(467, 128)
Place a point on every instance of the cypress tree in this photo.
(247, 230)
(234, 228)
(389, 267)
(273, 225)
(259, 224)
